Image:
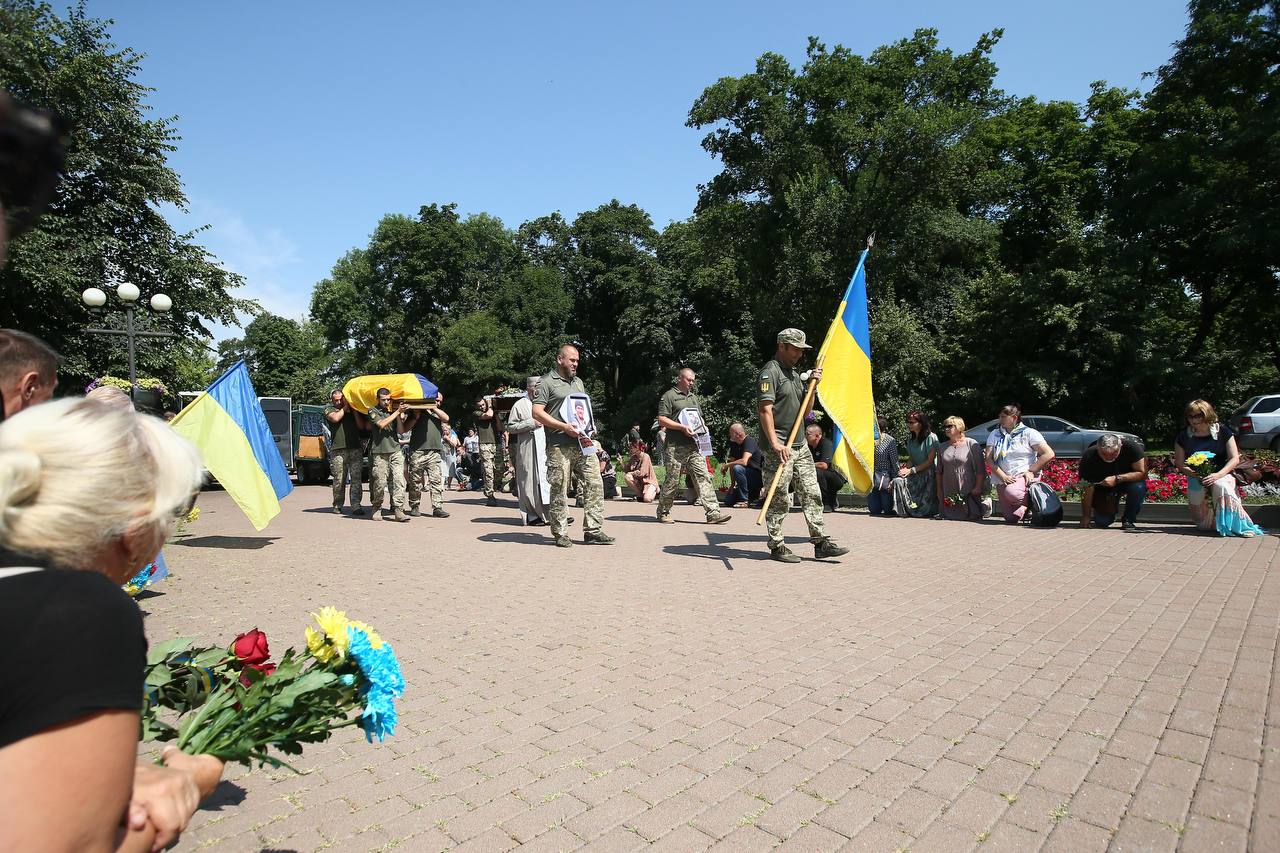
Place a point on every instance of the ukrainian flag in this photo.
(845, 389)
(227, 424)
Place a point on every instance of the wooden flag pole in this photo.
(791, 438)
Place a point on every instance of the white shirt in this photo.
(1014, 454)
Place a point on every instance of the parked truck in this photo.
(300, 436)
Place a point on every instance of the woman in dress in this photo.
(1223, 512)
(1016, 453)
(914, 491)
(880, 498)
(88, 493)
(639, 474)
(962, 474)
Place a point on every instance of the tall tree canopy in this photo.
(104, 226)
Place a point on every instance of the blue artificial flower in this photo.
(381, 682)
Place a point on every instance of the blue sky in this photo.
(304, 123)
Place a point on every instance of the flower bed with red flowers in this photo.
(1164, 482)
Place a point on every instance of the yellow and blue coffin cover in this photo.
(362, 392)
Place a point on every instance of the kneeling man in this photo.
(1111, 469)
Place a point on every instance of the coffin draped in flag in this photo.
(227, 424)
(362, 392)
(845, 389)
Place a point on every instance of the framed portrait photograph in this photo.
(576, 410)
(692, 418)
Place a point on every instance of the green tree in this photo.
(1202, 199)
(622, 304)
(104, 225)
(385, 308)
(285, 358)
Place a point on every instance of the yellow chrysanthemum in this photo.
(374, 639)
(331, 640)
(319, 647)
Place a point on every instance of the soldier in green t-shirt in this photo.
(491, 464)
(683, 456)
(426, 444)
(386, 459)
(345, 456)
(564, 454)
(779, 400)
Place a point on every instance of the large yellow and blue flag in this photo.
(227, 424)
(845, 389)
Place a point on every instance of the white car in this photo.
(1068, 440)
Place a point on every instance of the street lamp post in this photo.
(95, 298)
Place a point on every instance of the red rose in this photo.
(264, 668)
(251, 648)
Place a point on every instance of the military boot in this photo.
(827, 548)
(563, 541)
(596, 537)
(783, 554)
(717, 518)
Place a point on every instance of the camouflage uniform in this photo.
(564, 457)
(341, 463)
(488, 458)
(561, 461)
(386, 461)
(426, 443)
(387, 475)
(345, 456)
(800, 471)
(682, 456)
(425, 462)
(682, 459)
(782, 386)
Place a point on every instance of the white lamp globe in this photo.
(161, 303)
(128, 292)
(93, 297)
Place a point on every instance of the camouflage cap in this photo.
(795, 337)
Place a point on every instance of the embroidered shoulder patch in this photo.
(764, 386)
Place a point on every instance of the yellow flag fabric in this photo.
(845, 389)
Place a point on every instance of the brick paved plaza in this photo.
(947, 687)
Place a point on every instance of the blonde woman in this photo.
(88, 494)
(1224, 513)
(962, 474)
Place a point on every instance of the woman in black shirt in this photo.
(1213, 500)
(88, 493)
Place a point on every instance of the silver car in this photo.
(1257, 423)
(1067, 439)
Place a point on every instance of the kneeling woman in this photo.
(1016, 454)
(962, 475)
(88, 494)
(1225, 513)
(915, 493)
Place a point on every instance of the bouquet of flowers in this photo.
(1202, 463)
(234, 703)
(149, 574)
(953, 500)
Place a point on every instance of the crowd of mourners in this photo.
(949, 478)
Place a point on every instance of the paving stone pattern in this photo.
(950, 686)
